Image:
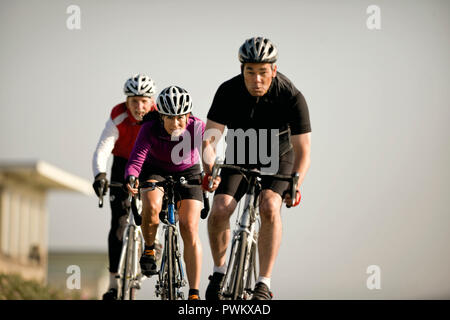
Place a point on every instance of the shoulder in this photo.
(150, 124)
(284, 86)
(195, 122)
(118, 110)
(119, 113)
(231, 84)
(152, 115)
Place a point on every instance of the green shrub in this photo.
(14, 287)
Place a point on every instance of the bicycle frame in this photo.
(167, 283)
(244, 240)
(130, 278)
(237, 282)
(129, 273)
(171, 276)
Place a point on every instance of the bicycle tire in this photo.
(138, 247)
(251, 271)
(171, 266)
(126, 274)
(241, 252)
(229, 281)
(226, 287)
(164, 272)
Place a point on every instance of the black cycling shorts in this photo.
(181, 192)
(235, 185)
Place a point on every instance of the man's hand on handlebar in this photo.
(288, 200)
(293, 189)
(206, 182)
(132, 185)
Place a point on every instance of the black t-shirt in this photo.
(283, 107)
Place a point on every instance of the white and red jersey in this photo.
(118, 138)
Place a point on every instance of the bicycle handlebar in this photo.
(101, 191)
(100, 198)
(152, 185)
(218, 165)
(128, 202)
(110, 185)
(183, 182)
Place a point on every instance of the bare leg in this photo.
(219, 226)
(151, 207)
(189, 215)
(271, 231)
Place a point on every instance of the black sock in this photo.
(194, 291)
(148, 248)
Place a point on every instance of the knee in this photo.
(220, 212)
(150, 211)
(189, 232)
(269, 208)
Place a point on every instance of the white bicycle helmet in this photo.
(140, 85)
(174, 101)
(258, 49)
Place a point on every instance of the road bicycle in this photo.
(242, 272)
(129, 272)
(171, 277)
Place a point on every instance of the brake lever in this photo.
(100, 198)
(293, 191)
(215, 171)
(205, 211)
(294, 187)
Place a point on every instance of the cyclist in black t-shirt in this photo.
(255, 103)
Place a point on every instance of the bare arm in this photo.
(302, 149)
(212, 135)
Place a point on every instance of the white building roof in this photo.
(44, 175)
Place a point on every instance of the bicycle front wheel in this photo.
(252, 272)
(136, 273)
(127, 271)
(171, 265)
(241, 253)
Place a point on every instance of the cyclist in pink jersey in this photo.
(118, 138)
(156, 154)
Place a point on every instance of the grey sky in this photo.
(377, 190)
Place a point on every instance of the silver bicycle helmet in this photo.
(140, 85)
(258, 49)
(174, 101)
